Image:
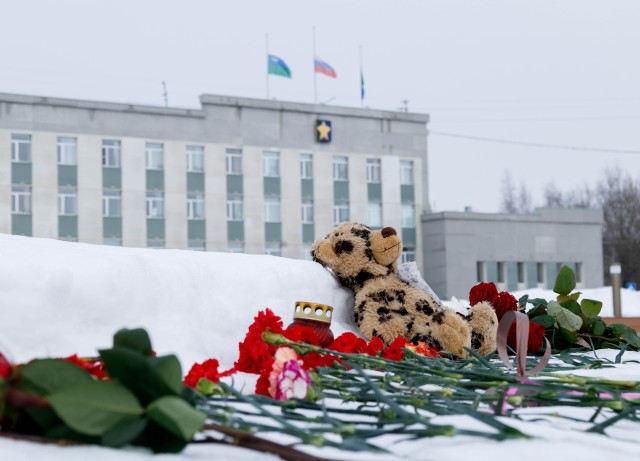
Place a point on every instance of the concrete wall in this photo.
(454, 243)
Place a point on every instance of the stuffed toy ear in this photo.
(322, 253)
(385, 245)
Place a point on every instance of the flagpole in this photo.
(361, 77)
(315, 74)
(266, 36)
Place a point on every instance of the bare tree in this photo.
(524, 200)
(619, 196)
(553, 197)
(508, 190)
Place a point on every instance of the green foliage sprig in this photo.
(571, 322)
(143, 403)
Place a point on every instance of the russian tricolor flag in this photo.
(324, 68)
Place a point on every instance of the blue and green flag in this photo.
(278, 67)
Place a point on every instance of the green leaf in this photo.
(124, 433)
(569, 335)
(522, 302)
(136, 339)
(538, 310)
(572, 305)
(564, 317)
(42, 377)
(597, 327)
(536, 302)
(176, 416)
(95, 407)
(590, 308)
(169, 368)
(137, 373)
(626, 333)
(46, 418)
(544, 320)
(160, 440)
(565, 281)
(572, 296)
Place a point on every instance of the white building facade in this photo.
(239, 175)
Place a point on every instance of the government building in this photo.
(264, 177)
(237, 175)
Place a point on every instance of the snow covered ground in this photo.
(59, 298)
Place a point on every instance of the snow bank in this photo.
(60, 298)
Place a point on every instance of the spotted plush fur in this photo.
(365, 261)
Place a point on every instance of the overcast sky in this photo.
(561, 72)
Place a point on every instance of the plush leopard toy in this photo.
(366, 262)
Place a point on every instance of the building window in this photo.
(234, 208)
(233, 159)
(407, 216)
(540, 271)
(408, 255)
(20, 147)
(307, 212)
(373, 170)
(406, 172)
(67, 201)
(340, 169)
(340, 213)
(520, 272)
(235, 246)
(578, 273)
(306, 166)
(115, 242)
(195, 159)
(271, 163)
(273, 248)
(154, 156)
(111, 203)
(195, 205)
(111, 153)
(374, 214)
(271, 209)
(196, 245)
(480, 271)
(20, 199)
(67, 151)
(501, 272)
(155, 204)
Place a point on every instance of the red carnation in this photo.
(207, 369)
(482, 292)
(375, 346)
(262, 385)
(254, 352)
(315, 360)
(5, 367)
(394, 350)
(348, 343)
(534, 341)
(503, 303)
(94, 367)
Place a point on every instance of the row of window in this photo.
(521, 272)
(112, 206)
(67, 154)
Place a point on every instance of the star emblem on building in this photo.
(323, 130)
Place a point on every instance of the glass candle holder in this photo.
(318, 317)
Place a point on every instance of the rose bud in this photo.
(5, 367)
